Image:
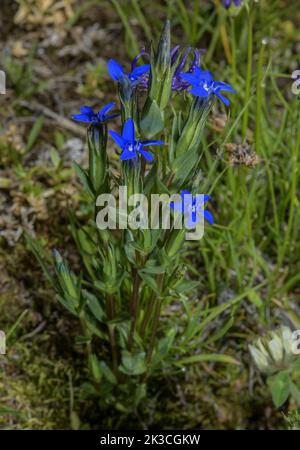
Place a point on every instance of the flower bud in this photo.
(163, 55)
(98, 163)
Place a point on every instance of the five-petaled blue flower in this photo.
(88, 115)
(227, 3)
(116, 71)
(192, 207)
(203, 85)
(131, 147)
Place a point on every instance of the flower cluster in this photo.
(199, 83)
(273, 352)
(176, 70)
(228, 3)
(178, 84)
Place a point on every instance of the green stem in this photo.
(148, 314)
(134, 306)
(158, 303)
(111, 333)
(248, 76)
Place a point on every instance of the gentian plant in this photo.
(129, 277)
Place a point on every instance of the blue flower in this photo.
(177, 83)
(227, 3)
(116, 71)
(203, 85)
(193, 208)
(131, 147)
(88, 115)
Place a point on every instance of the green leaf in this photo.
(140, 393)
(95, 367)
(280, 388)
(100, 369)
(295, 392)
(212, 357)
(185, 286)
(89, 389)
(93, 326)
(153, 269)
(152, 121)
(255, 299)
(150, 281)
(94, 304)
(34, 132)
(14, 327)
(133, 364)
(163, 347)
(107, 373)
(296, 364)
(84, 178)
(82, 340)
(55, 158)
(68, 303)
(222, 331)
(184, 164)
(40, 254)
(59, 140)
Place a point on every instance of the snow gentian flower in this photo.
(88, 115)
(203, 85)
(227, 3)
(116, 71)
(132, 147)
(178, 84)
(193, 208)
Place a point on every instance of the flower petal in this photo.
(119, 140)
(190, 78)
(86, 110)
(147, 143)
(140, 70)
(223, 99)
(147, 155)
(82, 118)
(198, 92)
(135, 60)
(128, 130)
(126, 155)
(205, 75)
(208, 216)
(115, 70)
(221, 86)
(106, 108)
